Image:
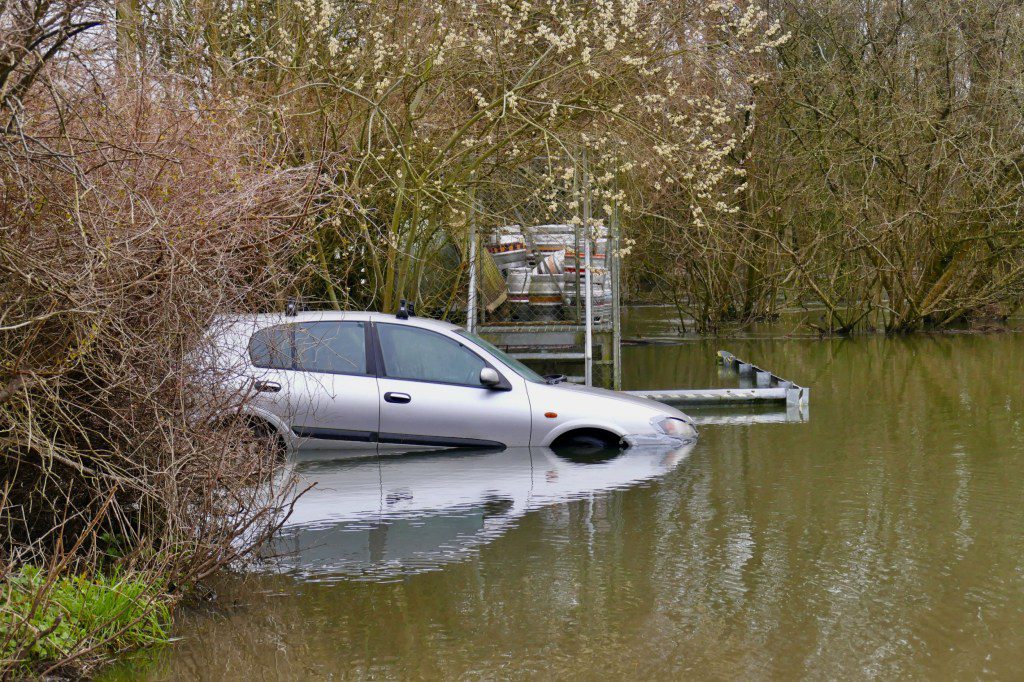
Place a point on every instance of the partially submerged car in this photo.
(369, 380)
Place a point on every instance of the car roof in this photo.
(269, 319)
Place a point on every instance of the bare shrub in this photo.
(131, 214)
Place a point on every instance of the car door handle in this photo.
(267, 386)
(391, 397)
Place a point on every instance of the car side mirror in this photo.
(489, 377)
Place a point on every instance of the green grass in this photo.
(99, 615)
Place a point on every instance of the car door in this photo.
(334, 388)
(430, 393)
(271, 351)
(319, 378)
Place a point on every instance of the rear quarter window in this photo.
(273, 348)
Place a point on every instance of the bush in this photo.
(131, 215)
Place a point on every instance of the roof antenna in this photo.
(291, 308)
(403, 313)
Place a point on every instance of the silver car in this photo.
(375, 381)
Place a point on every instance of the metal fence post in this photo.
(471, 298)
(578, 298)
(588, 310)
(616, 269)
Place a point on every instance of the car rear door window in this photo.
(421, 355)
(334, 347)
(273, 347)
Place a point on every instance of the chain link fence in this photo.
(544, 272)
(539, 311)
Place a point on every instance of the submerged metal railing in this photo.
(768, 388)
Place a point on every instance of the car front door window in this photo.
(422, 355)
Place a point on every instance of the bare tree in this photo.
(888, 163)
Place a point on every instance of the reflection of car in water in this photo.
(395, 515)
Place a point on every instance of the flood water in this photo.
(882, 537)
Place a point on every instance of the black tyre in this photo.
(587, 447)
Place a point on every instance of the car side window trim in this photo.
(293, 346)
(374, 363)
(504, 385)
(375, 350)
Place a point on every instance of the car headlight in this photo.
(671, 426)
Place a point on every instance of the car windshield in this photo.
(520, 369)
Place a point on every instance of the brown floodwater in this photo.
(881, 537)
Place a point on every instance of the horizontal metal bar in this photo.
(795, 396)
(539, 327)
(514, 327)
(557, 356)
(547, 356)
(713, 396)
